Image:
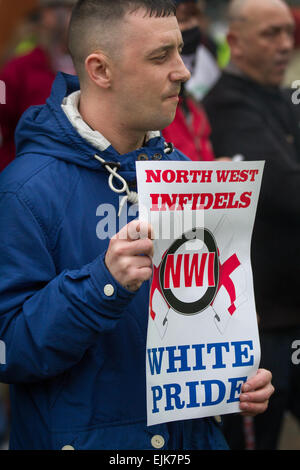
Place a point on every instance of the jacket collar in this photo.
(70, 106)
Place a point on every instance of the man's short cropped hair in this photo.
(92, 25)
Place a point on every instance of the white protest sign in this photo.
(202, 341)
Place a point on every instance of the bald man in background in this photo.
(253, 116)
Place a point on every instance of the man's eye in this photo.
(271, 33)
(160, 58)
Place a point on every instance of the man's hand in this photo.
(129, 255)
(256, 393)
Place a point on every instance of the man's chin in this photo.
(276, 80)
(163, 123)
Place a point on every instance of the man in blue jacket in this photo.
(74, 305)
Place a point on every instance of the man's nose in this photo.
(286, 41)
(181, 73)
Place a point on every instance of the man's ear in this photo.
(98, 68)
(233, 41)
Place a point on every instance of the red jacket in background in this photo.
(191, 134)
(28, 80)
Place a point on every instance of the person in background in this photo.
(199, 52)
(28, 78)
(253, 116)
(190, 131)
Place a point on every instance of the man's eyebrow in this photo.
(164, 48)
(280, 27)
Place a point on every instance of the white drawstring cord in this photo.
(131, 197)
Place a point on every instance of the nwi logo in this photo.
(181, 269)
(194, 269)
(200, 270)
(188, 280)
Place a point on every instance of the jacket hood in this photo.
(46, 130)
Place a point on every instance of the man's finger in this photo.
(258, 396)
(135, 230)
(136, 248)
(261, 379)
(141, 261)
(253, 409)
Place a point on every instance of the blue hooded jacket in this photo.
(75, 356)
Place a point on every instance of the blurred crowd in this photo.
(238, 104)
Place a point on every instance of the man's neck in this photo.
(234, 69)
(120, 138)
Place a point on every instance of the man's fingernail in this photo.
(244, 406)
(246, 388)
(244, 397)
